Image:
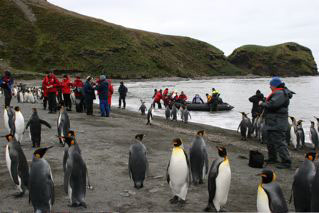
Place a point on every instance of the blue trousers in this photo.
(104, 107)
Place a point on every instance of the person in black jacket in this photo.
(6, 83)
(122, 92)
(256, 110)
(89, 95)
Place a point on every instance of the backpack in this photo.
(256, 159)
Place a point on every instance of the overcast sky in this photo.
(226, 24)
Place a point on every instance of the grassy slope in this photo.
(65, 41)
(284, 59)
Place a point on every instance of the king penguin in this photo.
(219, 179)
(313, 135)
(17, 164)
(167, 112)
(317, 123)
(301, 186)
(198, 158)
(18, 124)
(178, 172)
(142, 108)
(63, 124)
(186, 115)
(269, 195)
(174, 112)
(150, 115)
(245, 126)
(71, 133)
(8, 117)
(293, 132)
(75, 174)
(315, 192)
(41, 182)
(137, 163)
(300, 135)
(35, 128)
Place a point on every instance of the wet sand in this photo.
(105, 142)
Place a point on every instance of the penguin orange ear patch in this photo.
(72, 142)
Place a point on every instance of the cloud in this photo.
(226, 24)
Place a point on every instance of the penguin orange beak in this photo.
(261, 175)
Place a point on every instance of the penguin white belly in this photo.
(222, 185)
(21, 97)
(293, 137)
(31, 98)
(178, 171)
(8, 161)
(19, 125)
(6, 120)
(262, 200)
(70, 192)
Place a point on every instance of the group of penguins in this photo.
(27, 94)
(38, 179)
(171, 113)
(295, 134)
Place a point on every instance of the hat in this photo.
(102, 77)
(275, 82)
(258, 92)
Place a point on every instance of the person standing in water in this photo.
(276, 122)
(256, 110)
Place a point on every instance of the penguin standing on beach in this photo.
(150, 115)
(18, 124)
(142, 108)
(245, 127)
(71, 133)
(293, 132)
(300, 135)
(317, 123)
(269, 195)
(174, 113)
(63, 125)
(315, 192)
(178, 174)
(137, 163)
(219, 179)
(186, 115)
(41, 182)
(167, 112)
(198, 158)
(17, 164)
(8, 117)
(301, 186)
(75, 174)
(313, 135)
(35, 128)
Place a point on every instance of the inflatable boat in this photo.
(205, 107)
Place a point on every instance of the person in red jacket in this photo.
(182, 98)
(52, 85)
(66, 91)
(157, 99)
(78, 93)
(45, 91)
(110, 91)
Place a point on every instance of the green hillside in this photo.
(288, 59)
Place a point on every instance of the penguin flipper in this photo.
(67, 176)
(277, 202)
(189, 168)
(213, 173)
(52, 190)
(206, 161)
(167, 175)
(65, 158)
(14, 167)
(129, 165)
(45, 123)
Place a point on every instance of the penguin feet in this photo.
(210, 208)
(174, 200)
(181, 203)
(73, 205)
(18, 195)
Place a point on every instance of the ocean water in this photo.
(235, 91)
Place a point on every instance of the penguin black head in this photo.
(267, 176)
(299, 122)
(177, 142)
(312, 123)
(17, 108)
(311, 156)
(244, 114)
(70, 140)
(39, 153)
(139, 137)
(316, 118)
(201, 133)
(222, 151)
(292, 118)
(34, 110)
(9, 137)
